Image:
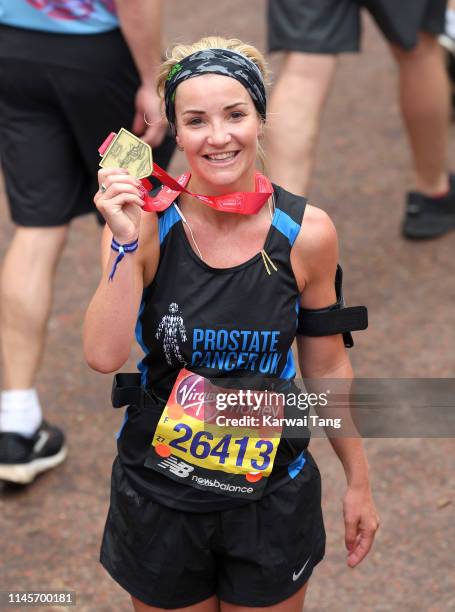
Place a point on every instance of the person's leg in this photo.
(28, 444)
(411, 30)
(447, 41)
(312, 34)
(295, 110)
(46, 187)
(25, 300)
(424, 100)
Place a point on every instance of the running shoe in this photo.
(22, 459)
(428, 217)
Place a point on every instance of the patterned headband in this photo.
(216, 61)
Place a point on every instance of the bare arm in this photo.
(140, 22)
(111, 317)
(326, 358)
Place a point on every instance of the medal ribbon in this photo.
(244, 203)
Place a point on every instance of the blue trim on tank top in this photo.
(289, 369)
(296, 466)
(125, 418)
(167, 221)
(143, 369)
(284, 224)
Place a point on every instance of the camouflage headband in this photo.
(216, 61)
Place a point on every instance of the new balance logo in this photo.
(176, 467)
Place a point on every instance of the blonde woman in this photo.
(217, 294)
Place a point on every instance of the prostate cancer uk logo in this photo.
(237, 349)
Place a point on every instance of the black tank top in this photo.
(238, 321)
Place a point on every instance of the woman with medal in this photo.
(212, 287)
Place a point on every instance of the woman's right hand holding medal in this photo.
(119, 200)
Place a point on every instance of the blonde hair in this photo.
(177, 53)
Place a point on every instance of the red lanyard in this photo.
(244, 203)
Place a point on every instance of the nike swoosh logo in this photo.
(297, 576)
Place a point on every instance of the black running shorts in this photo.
(334, 26)
(256, 555)
(60, 96)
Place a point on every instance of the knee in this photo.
(427, 45)
(316, 67)
(34, 249)
(41, 239)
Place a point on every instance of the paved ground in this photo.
(51, 531)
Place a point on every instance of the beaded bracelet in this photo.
(121, 250)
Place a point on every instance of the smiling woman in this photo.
(238, 60)
(198, 519)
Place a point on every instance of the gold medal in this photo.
(126, 150)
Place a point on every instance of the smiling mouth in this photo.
(221, 157)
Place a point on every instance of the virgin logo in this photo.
(195, 395)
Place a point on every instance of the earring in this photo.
(180, 148)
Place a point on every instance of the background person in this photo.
(312, 33)
(238, 273)
(68, 76)
(447, 40)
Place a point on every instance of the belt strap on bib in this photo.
(127, 389)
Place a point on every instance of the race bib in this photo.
(202, 442)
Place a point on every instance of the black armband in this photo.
(334, 319)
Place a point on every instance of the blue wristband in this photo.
(121, 250)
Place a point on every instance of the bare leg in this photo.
(209, 605)
(25, 301)
(425, 106)
(295, 111)
(293, 604)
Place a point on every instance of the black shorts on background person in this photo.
(334, 26)
(56, 111)
(312, 33)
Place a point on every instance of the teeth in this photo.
(221, 155)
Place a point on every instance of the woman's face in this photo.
(218, 127)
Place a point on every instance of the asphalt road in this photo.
(50, 532)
